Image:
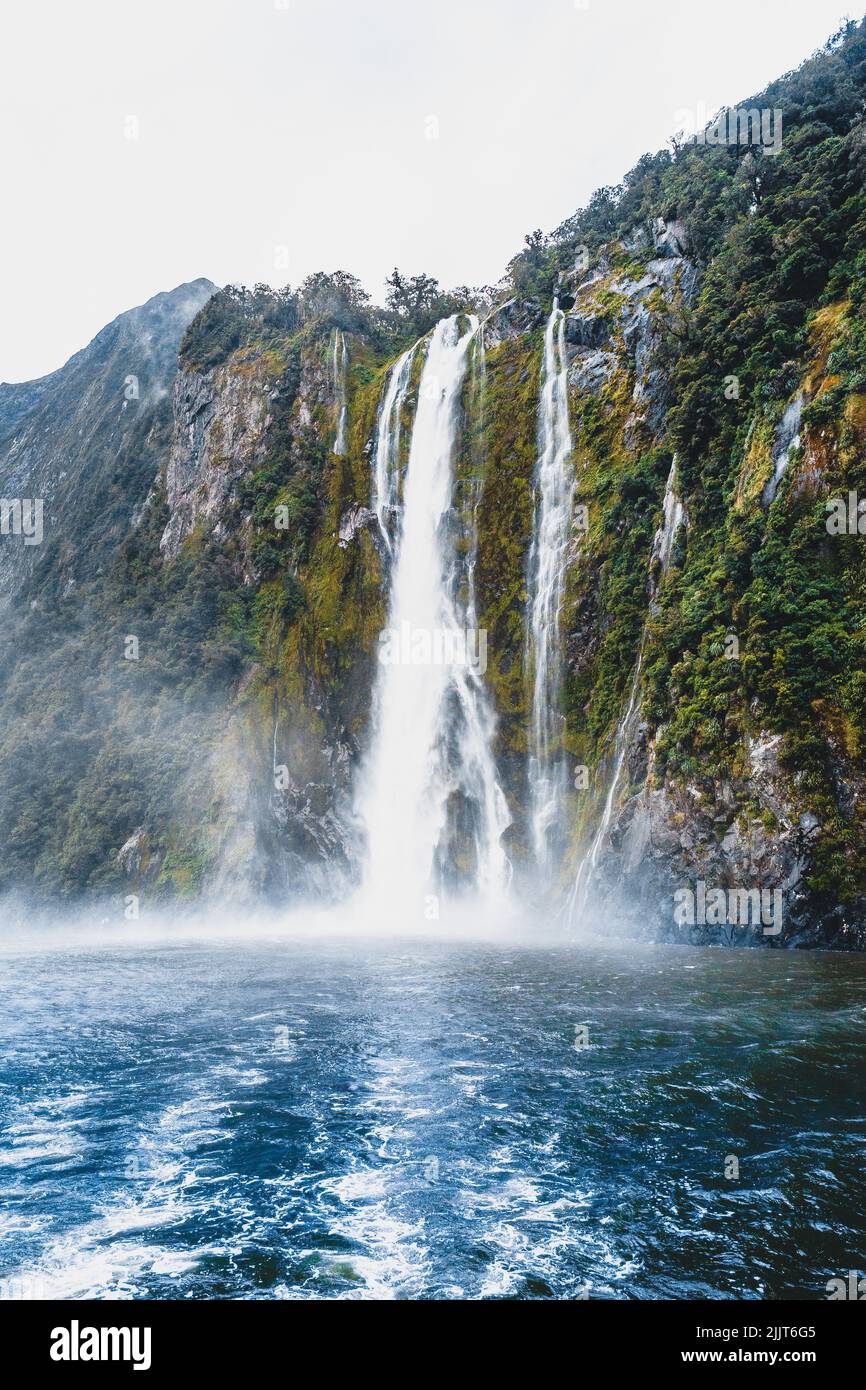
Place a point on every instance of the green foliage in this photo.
(94, 746)
(416, 303)
(232, 318)
(504, 518)
(110, 741)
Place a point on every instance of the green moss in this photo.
(505, 518)
(183, 869)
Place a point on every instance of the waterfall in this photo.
(476, 723)
(673, 516)
(386, 474)
(554, 491)
(586, 871)
(341, 379)
(787, 438)
(432, 721)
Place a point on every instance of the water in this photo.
(403, 1118)
(547, 566)
(340, 367)
(389, 427)
(787, 438)
(673, 516)
(579, 900)
(430, 751)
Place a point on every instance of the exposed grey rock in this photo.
(353, 521)
(670, 238)
(667, 838)
(590, 371)
(511, 319)
(593, 332)
(131, 854)
(641, 333)
(221, 419)
(587, 328)
(635, 240)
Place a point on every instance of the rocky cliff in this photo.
(714, 646)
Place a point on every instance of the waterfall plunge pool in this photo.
(286, 1115)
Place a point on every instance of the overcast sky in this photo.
(144, 144)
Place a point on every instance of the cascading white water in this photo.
(673, 516)
(787, 438)
(341, 378)
(477, 778)
(554, 487)
(386, 468)
(432, 724)
(589, 863)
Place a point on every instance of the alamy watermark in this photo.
(729, 907)
(846, 517)
(22, 516)
(736, 125)
(421, 646)
(853, 1288)
(77, 1343)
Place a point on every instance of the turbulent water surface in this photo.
(290, 1118)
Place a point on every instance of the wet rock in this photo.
(132, 855)
(667, 838)
(587, 328)
(356, 519)
(591, 371)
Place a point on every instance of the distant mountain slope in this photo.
(84, 439)
(17, 399)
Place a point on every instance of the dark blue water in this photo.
(285, 1119)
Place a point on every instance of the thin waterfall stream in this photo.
(389, 428)
(673, 516)
(554, 485)
(341, 387)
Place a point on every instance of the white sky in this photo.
(303, 124)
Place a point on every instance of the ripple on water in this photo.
(286, 1121)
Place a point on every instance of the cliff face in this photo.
(713, 699)
(765, 787)
(180, 708)
(86, 439)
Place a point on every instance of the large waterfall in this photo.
(428, 793)
(430, 762)
(547, 565)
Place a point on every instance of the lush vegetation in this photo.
(779, 239)
(275, 626)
